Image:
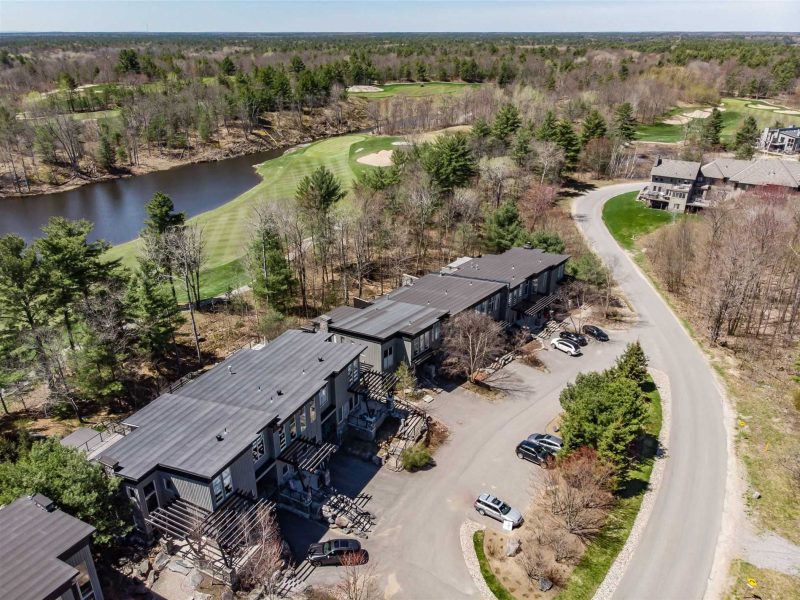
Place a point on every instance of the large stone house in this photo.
(784, 140)
(682, 186)
(45, 554)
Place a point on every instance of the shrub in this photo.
(416, 457)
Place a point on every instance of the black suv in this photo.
(528, 450)
(595, 332)
(573, 337)
(333, 552)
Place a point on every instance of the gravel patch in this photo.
(468, 529)
(618, 568)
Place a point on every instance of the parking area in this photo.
(415, 544)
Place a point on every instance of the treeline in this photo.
(89, 328)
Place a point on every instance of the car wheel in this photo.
(314, 563)
(480, 512)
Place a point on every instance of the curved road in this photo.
(676, 550)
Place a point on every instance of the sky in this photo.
(398, 15)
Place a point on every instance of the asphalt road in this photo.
(676, 551)
(415, 545)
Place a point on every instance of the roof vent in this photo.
(320, 359)
(43, 502)
(280, 392)
(221, 436)
(230, 370)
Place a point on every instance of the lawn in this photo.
(603, 550)
(628, 219)
(417, 90)
(734, 111)
(225, 228)
(748, 581)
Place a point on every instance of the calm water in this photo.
(117, 207)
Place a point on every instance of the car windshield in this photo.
(504, 508)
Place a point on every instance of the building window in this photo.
(525, 289)
(222, 486)
(388, 359)
(282, 438)
(352, 371)
(258, 448)
(150, 496)
(84, 582)
(322, 395)
(312, 411)
(437, 329)
(293, 428)
(303, 421)
(340, 413)
(353, 402)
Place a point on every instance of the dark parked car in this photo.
(573, 337)
(551, 443)
(333, 551)
(595, 332)
(528, 450)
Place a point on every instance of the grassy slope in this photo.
(603, 550)
(225, 227)
(416, 90)
(736, 110)
(769, 585)
(628, 219)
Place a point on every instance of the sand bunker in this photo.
(402, 143)
(377, 159)
(688, 116)
(364, 88)
(788, 112)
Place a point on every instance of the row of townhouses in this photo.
(684, 186)
(261, 426)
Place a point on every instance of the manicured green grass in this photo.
(603, 550)
(628, 219)
(734, 111)
(768, 583)
(494, 584)
(417, 90)
(225, 228)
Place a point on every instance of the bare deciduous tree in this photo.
(186, 250)
(266, 563)
(472, 341)
(357, 579)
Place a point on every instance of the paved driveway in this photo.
(416, 544)
(676, 551)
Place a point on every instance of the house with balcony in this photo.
(675, 185)
(783, 140)
(262, 423)
(45, 553)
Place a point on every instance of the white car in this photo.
(566, 346)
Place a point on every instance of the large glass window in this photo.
(293, 428)
(388, 359)
(84, 583)
(222, 486)
(258, 448)
(352, 371)
(150, 496)
(282, 438)
(437, 330)
(322, 395)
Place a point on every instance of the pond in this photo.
(117, 207)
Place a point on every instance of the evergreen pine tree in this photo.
(503, 228)
(547, 130)
(480, 129)
(522, 146)
(712, 128)
(633, 363)
(624, 122)
(506, 123)
(565, 137)
(594, 126)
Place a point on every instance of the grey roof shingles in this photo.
(678, 169)
(512, 267)
(387, 318)
(237, 399)
(452, 294)
(770, 171)
(34, 541)
(724, 168)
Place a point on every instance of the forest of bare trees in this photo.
(738, 268)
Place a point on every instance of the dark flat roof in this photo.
(452, 294)
(33, 543)
(237, 399)
(386, 318)
(511, 267)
